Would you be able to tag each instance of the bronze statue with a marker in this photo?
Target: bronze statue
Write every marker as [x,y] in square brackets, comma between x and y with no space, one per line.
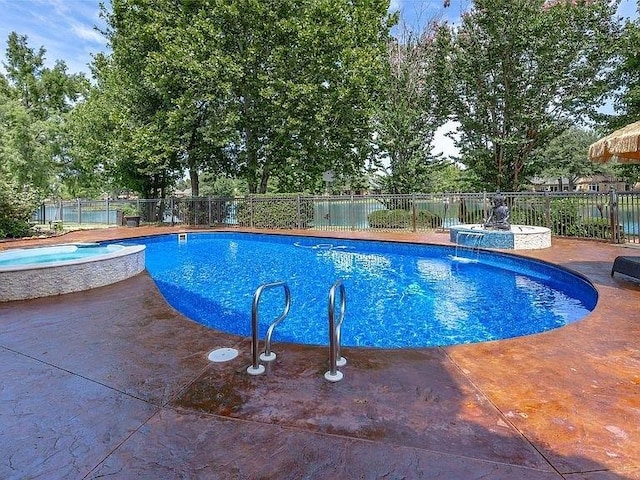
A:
[499,216]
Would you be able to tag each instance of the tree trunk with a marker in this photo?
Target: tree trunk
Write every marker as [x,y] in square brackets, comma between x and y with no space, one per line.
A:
[195,181]
[264,179]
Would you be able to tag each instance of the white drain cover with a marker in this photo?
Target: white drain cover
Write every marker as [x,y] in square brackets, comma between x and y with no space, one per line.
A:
[222,354]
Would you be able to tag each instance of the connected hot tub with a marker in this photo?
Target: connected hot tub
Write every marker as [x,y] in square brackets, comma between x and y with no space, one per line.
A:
[43,271]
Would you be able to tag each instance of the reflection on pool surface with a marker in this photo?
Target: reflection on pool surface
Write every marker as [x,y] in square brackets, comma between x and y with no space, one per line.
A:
[398,295]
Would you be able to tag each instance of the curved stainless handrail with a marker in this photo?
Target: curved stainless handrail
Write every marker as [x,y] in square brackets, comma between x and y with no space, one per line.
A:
[334,332]
[256,368]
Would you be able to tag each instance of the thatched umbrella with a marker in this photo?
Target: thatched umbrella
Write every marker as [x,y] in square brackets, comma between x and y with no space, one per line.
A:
[622,145]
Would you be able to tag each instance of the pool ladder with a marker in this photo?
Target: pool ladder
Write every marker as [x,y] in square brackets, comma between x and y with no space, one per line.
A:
[335,358]
[267,356]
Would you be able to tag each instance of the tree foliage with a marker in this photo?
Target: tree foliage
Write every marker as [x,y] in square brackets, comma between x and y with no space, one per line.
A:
[565,156]
[516,72]
[35,102]
[409,113]
[627,98]
[251,88]
[276,93]
[627,74]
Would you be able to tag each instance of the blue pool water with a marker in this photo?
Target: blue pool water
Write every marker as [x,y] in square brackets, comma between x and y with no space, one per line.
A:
[54,254]
[398,295]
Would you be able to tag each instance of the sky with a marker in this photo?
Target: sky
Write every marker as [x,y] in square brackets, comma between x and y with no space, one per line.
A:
[67,30]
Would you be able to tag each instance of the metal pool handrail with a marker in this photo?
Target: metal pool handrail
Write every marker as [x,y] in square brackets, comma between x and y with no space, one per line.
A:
[335,360]
[255,368]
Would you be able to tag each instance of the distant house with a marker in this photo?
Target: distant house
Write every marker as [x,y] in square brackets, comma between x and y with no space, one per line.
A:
[601,183]
[539,184]
[595,183]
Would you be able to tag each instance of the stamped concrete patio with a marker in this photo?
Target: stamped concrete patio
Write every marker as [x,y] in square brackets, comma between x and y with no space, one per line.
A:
[114,383]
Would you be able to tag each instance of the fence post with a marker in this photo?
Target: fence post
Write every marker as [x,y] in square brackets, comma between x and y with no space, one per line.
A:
[613,217]
[299,212]
[414,213]
[79,210]
[485,216]
[351,213]
[251,210]
[547,206]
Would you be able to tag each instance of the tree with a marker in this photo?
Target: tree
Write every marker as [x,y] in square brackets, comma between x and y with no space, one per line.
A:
[565,156]
[177,77]
[409,113]
[627,74]
[252,88]
[515,73]
[308,73]
[35,102]
[627,100]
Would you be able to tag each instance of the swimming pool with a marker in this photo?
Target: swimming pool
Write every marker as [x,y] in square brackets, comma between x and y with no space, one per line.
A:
[398,295]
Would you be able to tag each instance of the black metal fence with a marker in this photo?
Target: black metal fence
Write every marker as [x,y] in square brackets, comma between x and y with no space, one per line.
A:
[608,216]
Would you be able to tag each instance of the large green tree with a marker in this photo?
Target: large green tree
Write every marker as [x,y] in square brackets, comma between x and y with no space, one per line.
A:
[174,97]
[35,102]
[310,73]
[627,74]
[409,113]
[264,90]
[627,99]
[517,71]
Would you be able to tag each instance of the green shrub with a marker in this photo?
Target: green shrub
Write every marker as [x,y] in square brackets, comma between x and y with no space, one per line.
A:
[600,228]
[129,210]
[565,218]
[266,211]
[14,228]
[403,219]
[389,219]
[16,208]
[428,219]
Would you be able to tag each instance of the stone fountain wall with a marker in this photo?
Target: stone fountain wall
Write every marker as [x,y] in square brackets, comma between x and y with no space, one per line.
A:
[519,237]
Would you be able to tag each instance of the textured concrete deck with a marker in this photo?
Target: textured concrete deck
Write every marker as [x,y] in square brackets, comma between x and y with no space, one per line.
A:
[113,382]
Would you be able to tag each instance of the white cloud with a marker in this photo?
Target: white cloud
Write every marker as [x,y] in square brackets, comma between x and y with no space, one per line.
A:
[63,27]
[88,33]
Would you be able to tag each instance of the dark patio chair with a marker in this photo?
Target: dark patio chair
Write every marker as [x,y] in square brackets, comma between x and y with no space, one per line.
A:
[627,265]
